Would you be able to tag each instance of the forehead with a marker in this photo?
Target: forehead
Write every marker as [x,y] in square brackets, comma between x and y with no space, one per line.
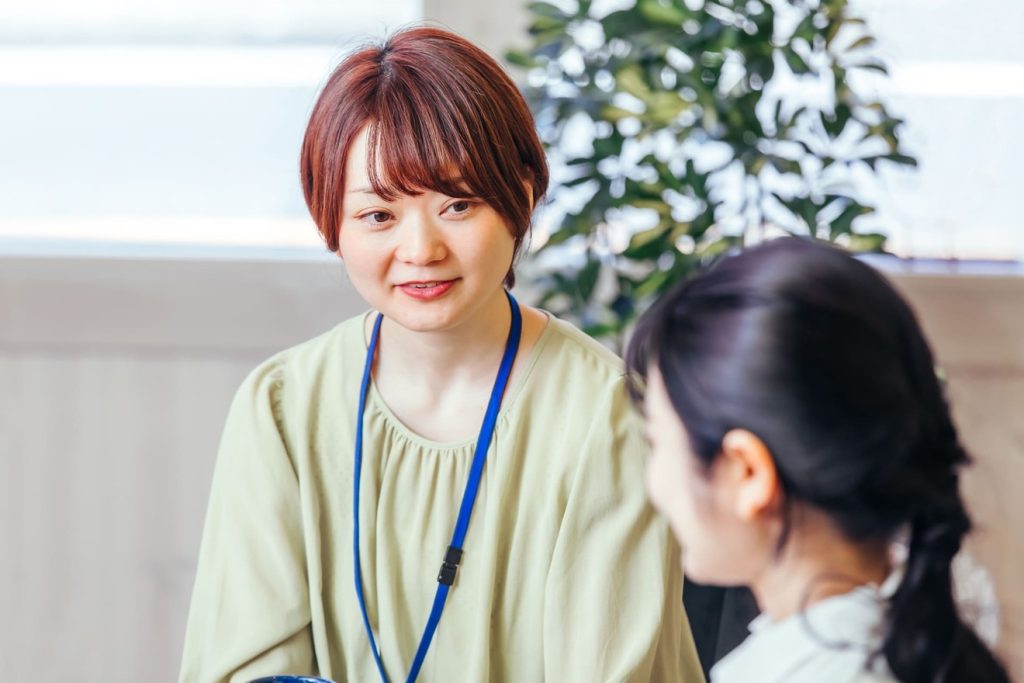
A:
[357,173]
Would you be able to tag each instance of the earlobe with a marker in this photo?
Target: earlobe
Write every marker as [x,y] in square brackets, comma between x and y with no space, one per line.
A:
[753,474]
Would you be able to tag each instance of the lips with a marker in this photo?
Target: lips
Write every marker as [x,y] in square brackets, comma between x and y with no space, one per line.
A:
[425,290]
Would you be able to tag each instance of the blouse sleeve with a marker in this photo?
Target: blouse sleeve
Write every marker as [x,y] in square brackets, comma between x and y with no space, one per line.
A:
[250,612]
[613,602]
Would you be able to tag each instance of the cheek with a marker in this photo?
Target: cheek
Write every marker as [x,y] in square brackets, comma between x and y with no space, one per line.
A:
[490,244]
[671,492]
[362,256]
[685,498]
[663,484]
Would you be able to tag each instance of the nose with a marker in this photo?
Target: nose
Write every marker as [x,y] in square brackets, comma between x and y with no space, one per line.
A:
[420,241]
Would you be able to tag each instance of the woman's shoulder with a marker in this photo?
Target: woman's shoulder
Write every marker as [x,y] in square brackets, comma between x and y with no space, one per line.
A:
[573,350]
[301,368]
[835,639]
[579,384]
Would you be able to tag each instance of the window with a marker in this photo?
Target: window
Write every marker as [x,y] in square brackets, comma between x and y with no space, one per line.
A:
[130,123]
[958,80]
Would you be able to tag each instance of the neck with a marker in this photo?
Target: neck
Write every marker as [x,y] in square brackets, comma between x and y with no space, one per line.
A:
[817,562]
[468,352]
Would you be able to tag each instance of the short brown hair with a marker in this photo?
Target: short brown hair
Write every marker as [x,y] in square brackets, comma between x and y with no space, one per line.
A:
[442,116]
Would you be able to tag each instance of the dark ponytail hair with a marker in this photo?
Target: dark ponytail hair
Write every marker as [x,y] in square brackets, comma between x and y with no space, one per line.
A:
[815,353]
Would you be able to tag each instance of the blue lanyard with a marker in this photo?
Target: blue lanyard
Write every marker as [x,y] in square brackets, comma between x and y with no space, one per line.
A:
[446,577]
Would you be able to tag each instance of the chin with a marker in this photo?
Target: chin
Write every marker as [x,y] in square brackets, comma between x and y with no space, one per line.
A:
[427,319]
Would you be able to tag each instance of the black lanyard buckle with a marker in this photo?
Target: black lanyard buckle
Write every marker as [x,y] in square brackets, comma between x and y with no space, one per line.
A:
[450,566]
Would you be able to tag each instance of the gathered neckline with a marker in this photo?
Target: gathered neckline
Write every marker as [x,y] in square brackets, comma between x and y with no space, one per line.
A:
[507,403]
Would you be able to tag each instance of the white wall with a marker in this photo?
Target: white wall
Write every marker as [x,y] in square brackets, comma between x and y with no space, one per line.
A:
[117,376]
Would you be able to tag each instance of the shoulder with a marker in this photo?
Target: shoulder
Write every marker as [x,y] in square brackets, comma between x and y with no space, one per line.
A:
[570,345]
[793,662]
[294,375]
[341,344]
[833,640]
[585,373]
[579,390]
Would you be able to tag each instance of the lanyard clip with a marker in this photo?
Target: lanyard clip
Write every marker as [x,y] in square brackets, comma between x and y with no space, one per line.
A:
[450,565]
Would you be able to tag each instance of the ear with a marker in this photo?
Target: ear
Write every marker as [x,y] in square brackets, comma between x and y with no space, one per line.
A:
[750,470]
[528,184]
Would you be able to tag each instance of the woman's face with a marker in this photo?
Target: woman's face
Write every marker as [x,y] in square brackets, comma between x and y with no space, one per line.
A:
[718,546]
[427,262]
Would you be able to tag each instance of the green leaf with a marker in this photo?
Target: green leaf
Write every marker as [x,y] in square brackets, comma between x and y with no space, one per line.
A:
[653,283]
[867,242]
[522,59]
[546,9]
[843,223]
[579,180]
[804,209]
[894,157]
[586,279]
[666,15]
[648,244]
[631,80]
[615,114]
[903,159]
[785,165]
[627,24]
[642,190]
[872,65]
[541,25]
[607,147]
[806,29]
[796,62]
[864,41]
[719,246]
[558,237]
[664,107]
[602,330]
[835,122]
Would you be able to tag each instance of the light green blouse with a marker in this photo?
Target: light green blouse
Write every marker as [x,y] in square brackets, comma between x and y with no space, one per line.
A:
[567,574]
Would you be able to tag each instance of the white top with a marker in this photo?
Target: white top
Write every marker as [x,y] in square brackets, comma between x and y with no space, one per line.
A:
[833,641]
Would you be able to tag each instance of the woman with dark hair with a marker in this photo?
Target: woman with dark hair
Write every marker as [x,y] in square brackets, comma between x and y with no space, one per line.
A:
[450,485]
[798,429]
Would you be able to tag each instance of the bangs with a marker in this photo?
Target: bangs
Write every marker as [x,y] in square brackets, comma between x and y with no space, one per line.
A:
[413,147]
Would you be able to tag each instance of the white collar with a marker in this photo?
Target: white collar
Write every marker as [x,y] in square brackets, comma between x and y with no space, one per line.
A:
[843,627]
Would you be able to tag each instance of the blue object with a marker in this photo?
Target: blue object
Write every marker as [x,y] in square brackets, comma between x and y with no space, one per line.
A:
[446,576]
[291,679]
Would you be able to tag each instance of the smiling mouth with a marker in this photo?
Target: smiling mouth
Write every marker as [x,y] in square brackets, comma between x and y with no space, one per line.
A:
[427,290]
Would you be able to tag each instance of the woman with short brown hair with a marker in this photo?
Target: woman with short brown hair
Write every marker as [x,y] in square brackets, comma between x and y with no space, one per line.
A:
[383,506]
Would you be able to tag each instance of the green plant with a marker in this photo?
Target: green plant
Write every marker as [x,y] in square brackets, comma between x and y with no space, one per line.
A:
[703,125]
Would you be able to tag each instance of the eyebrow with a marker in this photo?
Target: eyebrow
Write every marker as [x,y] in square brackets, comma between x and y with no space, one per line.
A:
[362,190]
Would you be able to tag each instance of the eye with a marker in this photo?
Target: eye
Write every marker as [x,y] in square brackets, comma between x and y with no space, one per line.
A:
[375,218]
[460,207]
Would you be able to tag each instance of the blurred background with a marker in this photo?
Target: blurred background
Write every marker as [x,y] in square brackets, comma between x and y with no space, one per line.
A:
[154,246]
